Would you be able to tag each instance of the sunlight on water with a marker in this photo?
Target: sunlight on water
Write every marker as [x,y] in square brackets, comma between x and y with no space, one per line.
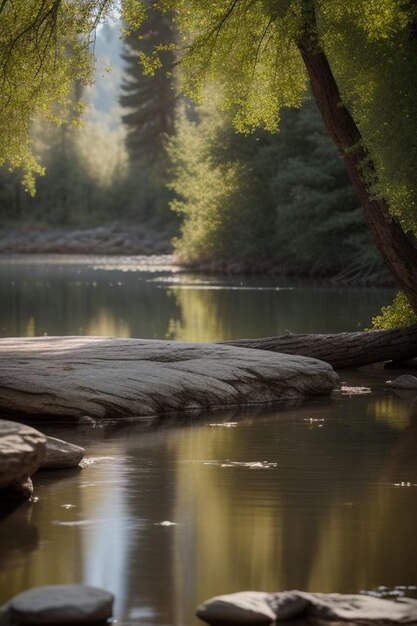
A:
[248,464]
[354,391]
[319,496]
[146,297]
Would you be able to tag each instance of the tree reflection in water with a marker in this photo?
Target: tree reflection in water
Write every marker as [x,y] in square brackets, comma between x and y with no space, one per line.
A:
[18,537]
[328,517]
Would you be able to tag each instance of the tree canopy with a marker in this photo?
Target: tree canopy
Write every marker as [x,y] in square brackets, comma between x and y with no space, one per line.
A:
[45,47]
[249,49]
[261,54]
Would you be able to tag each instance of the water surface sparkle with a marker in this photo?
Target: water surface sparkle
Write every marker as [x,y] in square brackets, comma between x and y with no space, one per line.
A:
[318,496]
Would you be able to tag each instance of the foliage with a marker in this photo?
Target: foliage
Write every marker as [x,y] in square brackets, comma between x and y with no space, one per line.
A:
[213,194]
[373,48]
[84,180]
[244,49]
[250,50]
[266,198]
[44,50]
[145,194]
[397,314]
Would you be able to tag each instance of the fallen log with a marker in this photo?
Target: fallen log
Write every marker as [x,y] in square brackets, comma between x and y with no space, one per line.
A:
[114,377]
[342,350]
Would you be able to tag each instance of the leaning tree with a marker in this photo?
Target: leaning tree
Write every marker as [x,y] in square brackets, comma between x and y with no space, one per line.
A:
[359,59]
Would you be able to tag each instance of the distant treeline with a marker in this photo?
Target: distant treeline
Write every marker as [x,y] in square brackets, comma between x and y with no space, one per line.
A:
[252,201]
[264,199]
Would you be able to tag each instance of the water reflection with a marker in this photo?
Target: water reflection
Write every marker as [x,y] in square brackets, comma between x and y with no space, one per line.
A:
[319,496]
[77,531]
[81,297]
[210,315]
[19,535]
[323,520]
[324,513]
[44,566]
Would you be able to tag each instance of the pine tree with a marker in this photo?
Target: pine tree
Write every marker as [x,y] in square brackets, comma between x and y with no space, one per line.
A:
[149,100]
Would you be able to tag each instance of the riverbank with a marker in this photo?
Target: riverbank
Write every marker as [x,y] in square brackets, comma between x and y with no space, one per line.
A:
[109,239]
[373,275]
[123,239]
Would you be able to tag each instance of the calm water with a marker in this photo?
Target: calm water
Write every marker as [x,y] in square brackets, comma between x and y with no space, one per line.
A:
[167,515]
[100,296]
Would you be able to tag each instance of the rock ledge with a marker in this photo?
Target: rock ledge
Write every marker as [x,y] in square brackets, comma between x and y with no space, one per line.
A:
[260,609]
[114,377]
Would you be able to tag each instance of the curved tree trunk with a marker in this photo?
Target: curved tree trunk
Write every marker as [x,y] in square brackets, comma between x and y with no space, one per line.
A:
[396,247]
[342,349]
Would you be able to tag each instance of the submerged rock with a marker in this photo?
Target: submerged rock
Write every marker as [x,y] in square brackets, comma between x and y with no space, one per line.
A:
[22,450]
[87,420]
[61,454]
[58,604]
[243,608]
[405,381]
[259,608]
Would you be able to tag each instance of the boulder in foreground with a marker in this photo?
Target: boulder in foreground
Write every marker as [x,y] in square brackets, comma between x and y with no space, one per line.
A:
[113,377]
[22,450]
[58,604]
[61,454]
[405,381]
[258,608]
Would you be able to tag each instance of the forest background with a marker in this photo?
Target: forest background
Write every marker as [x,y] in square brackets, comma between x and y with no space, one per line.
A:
[141,154]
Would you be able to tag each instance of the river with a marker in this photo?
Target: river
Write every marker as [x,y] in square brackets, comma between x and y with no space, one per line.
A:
[320,496]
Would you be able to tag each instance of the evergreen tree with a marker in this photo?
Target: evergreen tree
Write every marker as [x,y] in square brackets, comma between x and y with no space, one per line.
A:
[149,98]
[149,101]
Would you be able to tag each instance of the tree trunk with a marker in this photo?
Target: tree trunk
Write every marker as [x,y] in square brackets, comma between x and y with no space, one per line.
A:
[397,248]
[342,349]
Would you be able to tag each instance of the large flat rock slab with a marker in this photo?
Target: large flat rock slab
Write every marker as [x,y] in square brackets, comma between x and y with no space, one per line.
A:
[113,377]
